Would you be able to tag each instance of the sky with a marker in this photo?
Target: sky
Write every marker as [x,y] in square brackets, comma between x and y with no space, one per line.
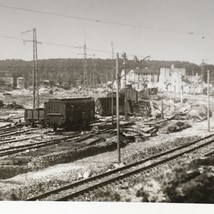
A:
[164,29]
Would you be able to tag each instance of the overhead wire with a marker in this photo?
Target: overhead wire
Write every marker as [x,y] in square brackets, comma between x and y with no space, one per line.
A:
[69,46]
[99,20]
[91,20]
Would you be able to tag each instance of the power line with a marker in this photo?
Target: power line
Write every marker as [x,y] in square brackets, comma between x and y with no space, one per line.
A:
[10,37]
[99,20]
[68,46]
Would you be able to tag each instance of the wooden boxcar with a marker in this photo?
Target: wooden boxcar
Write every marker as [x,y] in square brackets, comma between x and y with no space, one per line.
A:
[72,113]
[131,93]
[104,105]
[34,116]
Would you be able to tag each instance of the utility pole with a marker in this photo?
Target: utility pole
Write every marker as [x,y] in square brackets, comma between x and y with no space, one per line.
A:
[34,72]
[85,85]
[94,71]
[181,89]
[36,64]
[125,91]
[112,96]
[208,99]
[117,108]
[35,79]
[162,115]
[85,65]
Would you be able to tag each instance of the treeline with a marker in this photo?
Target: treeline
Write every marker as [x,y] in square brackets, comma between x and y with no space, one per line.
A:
[98,70]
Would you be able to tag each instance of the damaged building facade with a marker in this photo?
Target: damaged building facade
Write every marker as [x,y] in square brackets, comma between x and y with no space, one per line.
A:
[139,79]
[176,80]
[7,81]
[171,79]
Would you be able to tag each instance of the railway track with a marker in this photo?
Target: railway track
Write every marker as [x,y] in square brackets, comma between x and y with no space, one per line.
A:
[10,127]
[77,138]
[78,189]
[17,149]
[14,132]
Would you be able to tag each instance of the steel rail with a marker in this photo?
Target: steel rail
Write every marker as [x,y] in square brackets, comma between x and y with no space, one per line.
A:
[130,173]
[85,181]
[15,133]
[10,127]
[22,148]
[14,140]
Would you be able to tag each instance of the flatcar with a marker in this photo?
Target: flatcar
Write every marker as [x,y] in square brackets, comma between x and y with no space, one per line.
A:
[69,113]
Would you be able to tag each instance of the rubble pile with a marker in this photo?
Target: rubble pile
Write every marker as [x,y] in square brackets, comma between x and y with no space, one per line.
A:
[22,92]
[181,111]
[13,105]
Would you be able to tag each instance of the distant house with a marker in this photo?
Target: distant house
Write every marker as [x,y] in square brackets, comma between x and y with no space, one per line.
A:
[6,79]
[170,79]
[139,78]
[46,83]
[20,82]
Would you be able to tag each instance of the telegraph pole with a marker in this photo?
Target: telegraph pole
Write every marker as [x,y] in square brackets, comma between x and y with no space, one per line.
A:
[36,64]
[125,92]
[94,71]
[35,79]
[208,99]
[117,108]
[85,68]
[181,89]
[162,115]
[34,71]
[112,97]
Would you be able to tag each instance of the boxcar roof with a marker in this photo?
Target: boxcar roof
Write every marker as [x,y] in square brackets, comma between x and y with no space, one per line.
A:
[71,99]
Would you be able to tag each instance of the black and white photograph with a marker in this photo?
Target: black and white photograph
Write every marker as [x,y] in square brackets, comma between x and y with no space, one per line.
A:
[107,102]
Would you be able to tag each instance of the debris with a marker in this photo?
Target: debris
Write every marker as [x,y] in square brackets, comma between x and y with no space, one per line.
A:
[87,174]
[14,105]
[118,165]
[199,113]
[176,127]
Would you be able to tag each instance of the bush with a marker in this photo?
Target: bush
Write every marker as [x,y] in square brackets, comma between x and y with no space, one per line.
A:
[184,184]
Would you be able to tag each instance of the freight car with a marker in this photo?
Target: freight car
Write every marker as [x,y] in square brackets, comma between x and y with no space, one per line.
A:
[34,116]
[72,113]
[148,93]
[131,93]
[104,105]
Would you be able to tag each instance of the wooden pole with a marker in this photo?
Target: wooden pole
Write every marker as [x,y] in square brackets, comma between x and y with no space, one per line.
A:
[34,71]
[112,97]
[162,116]
[85,82]
[181,90]
[125,89]
[117,108]
[208,99]
[36,67]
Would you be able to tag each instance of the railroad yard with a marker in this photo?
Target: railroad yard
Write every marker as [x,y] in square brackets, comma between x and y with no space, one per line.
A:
[106,106]
[162,160]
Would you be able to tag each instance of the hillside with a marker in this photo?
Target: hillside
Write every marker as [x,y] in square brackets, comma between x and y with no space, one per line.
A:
[70,70]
